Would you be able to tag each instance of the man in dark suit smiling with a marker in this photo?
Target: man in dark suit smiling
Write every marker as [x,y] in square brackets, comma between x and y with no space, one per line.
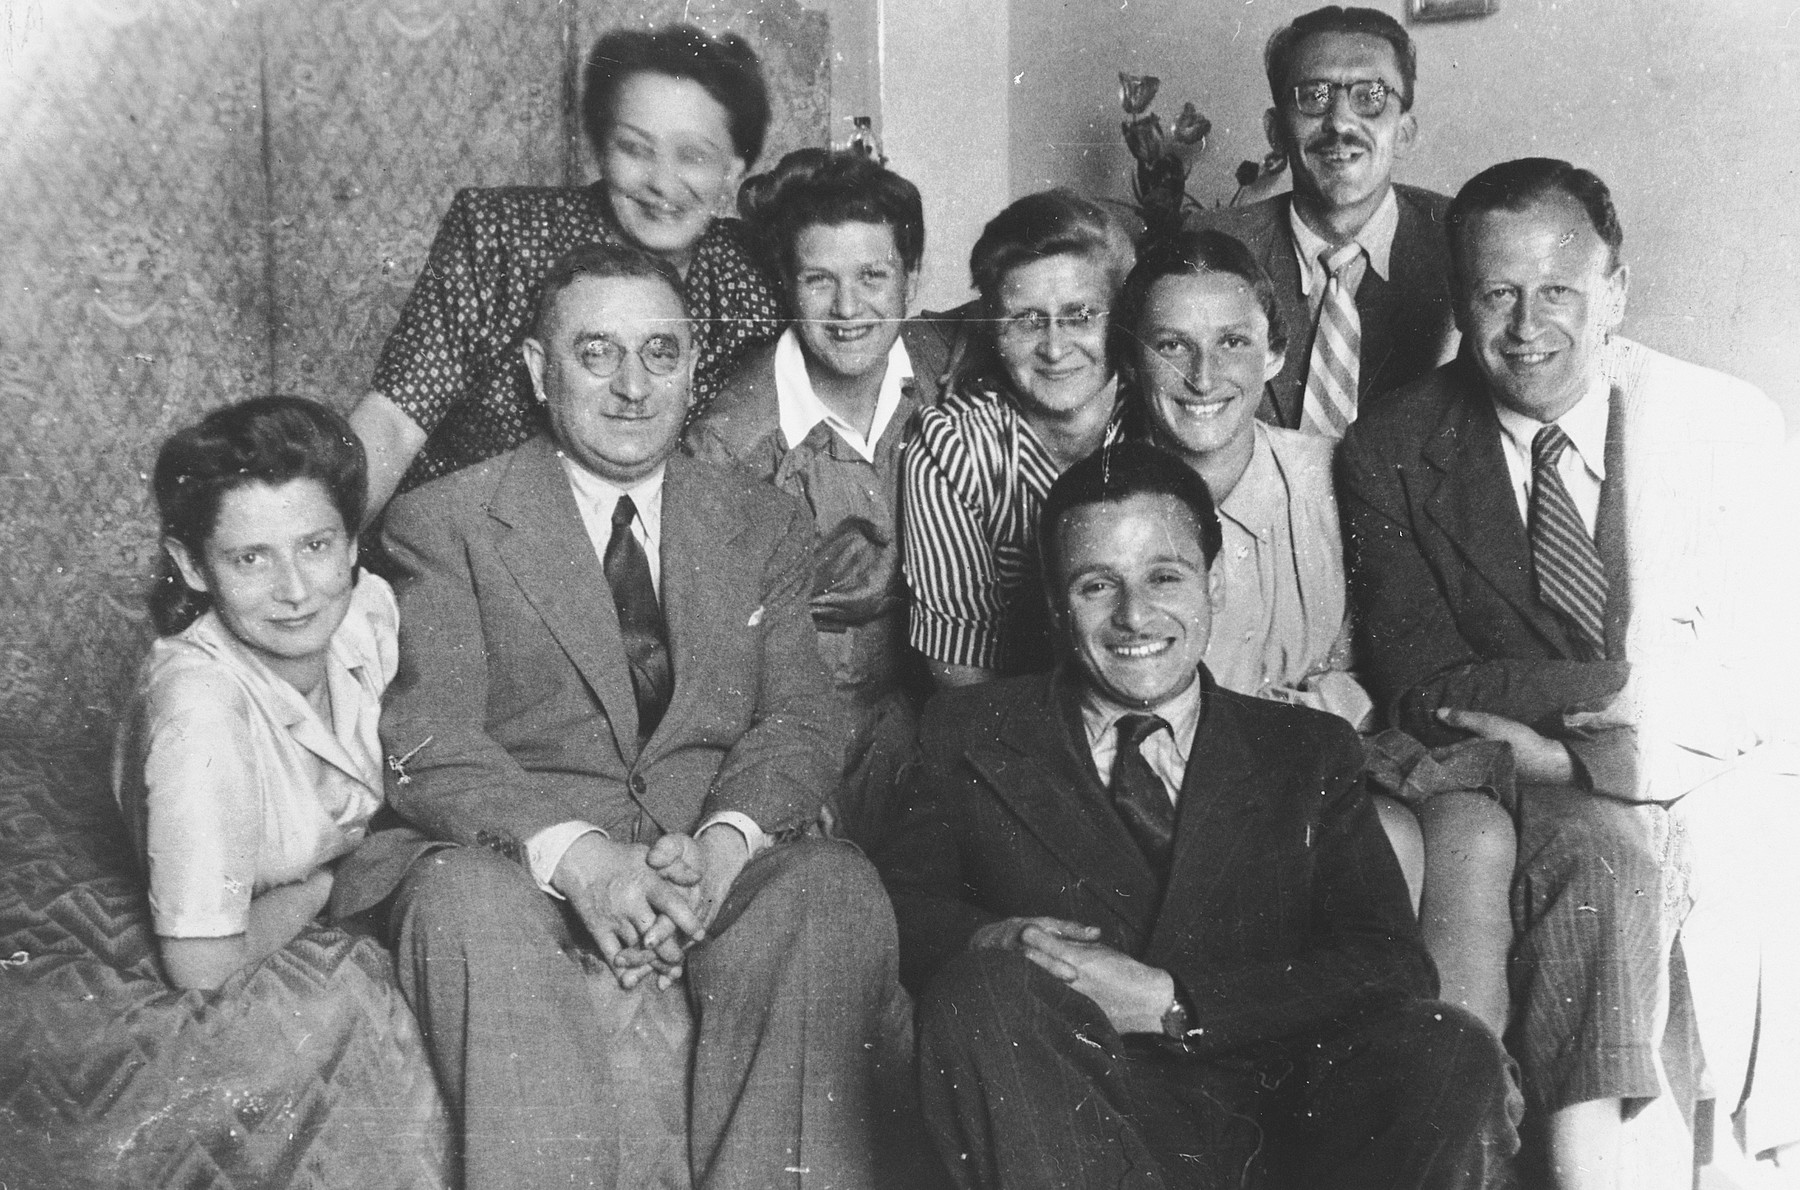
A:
[1158,932]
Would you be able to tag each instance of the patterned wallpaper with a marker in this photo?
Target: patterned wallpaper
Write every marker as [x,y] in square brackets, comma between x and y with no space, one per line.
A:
[202,200]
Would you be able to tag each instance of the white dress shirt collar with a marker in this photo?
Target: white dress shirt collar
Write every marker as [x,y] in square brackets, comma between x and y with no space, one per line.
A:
[800,408]
[596,498]
[1376,238]
[1583,468]
[1166,751]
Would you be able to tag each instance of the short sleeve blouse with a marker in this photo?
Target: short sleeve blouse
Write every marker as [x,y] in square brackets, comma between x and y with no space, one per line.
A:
[453,363]
[231,782]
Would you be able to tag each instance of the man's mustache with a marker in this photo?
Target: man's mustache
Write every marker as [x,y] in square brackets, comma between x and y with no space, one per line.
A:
[1332,140]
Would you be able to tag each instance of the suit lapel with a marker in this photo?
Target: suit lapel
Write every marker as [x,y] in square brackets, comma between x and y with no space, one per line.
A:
[1473,502]
[545,546]
[696,530]
[1221,793]
[1377,300]
[1040,767]
[1283,396]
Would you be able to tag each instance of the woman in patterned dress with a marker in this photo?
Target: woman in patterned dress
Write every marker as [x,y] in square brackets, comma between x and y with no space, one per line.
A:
[675,117]
[248,762]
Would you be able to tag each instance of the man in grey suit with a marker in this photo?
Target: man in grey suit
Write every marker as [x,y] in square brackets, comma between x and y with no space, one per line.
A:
[1359,261]
[608,715]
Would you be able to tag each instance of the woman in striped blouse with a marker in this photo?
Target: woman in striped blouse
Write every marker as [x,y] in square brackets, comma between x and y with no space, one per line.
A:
[1036,393]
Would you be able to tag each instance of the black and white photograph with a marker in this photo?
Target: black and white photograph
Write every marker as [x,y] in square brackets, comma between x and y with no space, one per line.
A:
[899,595]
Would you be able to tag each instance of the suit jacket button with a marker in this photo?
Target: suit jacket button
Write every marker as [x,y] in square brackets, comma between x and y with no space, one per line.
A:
[637,785]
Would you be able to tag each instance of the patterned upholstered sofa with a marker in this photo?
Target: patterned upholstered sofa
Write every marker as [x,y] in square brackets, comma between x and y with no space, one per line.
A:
[306,1071]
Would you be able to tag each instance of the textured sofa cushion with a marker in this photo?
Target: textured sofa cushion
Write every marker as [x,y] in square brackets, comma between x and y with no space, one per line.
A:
[307,1070]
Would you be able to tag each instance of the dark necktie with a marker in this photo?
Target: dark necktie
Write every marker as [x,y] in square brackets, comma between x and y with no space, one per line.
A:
[640,619]
[1570,577]
[1139,795]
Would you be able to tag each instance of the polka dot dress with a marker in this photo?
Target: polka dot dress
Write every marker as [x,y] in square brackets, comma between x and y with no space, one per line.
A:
[453,362]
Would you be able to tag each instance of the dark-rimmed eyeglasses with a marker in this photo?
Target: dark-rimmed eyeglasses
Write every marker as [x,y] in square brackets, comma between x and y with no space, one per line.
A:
[660,354]
[1035,324]
[1368,97]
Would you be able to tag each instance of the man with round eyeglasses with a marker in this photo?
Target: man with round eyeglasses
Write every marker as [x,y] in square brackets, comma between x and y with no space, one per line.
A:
[610,733]
[1358,260]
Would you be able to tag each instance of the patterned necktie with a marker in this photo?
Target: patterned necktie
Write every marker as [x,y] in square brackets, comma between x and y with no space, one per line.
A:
[1331,373]
[640,619]
[1139,795]
[1570,578]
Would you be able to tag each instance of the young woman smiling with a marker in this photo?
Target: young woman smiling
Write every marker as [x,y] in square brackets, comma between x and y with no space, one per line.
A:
[249,761]
[825,413]
[1206,335]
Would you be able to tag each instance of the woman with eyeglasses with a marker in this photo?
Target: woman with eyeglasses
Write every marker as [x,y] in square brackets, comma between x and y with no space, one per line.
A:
[248,762]
[1035,393]
[1206,335]
[675,118]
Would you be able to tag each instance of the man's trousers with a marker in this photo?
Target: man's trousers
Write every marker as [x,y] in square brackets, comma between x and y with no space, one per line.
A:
[1026,1085]
[799,1066]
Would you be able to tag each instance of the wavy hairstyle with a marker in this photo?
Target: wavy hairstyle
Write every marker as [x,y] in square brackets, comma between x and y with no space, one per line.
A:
[823,187]
[267,440]
[725,67]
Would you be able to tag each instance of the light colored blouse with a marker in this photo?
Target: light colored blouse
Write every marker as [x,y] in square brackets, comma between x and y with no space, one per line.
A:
[1279,628]
[231,782]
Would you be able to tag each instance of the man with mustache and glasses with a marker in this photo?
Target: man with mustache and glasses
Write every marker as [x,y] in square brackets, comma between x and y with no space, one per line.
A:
[1359,262]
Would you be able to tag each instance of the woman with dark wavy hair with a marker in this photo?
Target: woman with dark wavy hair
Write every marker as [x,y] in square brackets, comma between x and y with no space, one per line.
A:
[248,761]
[675,118]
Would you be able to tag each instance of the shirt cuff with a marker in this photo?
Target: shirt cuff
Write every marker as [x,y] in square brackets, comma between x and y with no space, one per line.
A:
[544,850]
[743,824]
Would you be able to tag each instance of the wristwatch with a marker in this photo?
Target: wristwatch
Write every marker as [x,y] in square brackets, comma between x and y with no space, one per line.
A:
[1177,1021]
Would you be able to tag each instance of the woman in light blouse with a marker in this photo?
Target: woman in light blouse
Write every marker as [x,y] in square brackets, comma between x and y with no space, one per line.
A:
[249,761]
[1205,335]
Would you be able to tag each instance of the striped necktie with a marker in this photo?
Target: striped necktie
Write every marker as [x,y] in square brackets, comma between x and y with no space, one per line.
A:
[1331,373]
[1570,578]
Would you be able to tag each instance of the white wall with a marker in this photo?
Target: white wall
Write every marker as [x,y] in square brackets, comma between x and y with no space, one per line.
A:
[1685,107]
[945,121]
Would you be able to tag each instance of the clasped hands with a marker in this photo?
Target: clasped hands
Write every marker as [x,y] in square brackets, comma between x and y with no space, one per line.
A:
[645,905]
[1537,758]
[1133,995]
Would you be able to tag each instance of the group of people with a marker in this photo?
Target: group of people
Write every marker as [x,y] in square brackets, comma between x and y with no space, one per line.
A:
[1251,707]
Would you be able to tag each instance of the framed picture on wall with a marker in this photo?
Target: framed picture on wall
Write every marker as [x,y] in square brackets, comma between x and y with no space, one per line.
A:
[1449,10]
